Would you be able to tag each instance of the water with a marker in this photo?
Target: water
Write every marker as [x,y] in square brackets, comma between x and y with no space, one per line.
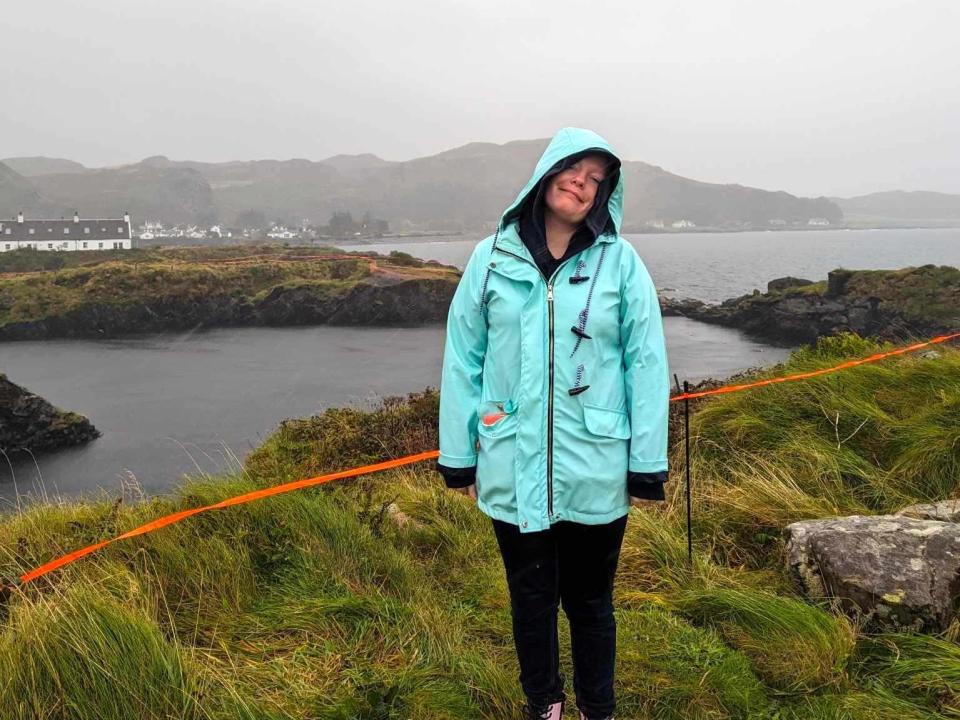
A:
[715,266]
[199,402]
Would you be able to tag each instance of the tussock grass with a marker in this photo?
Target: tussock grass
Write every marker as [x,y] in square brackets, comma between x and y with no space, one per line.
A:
[384,596]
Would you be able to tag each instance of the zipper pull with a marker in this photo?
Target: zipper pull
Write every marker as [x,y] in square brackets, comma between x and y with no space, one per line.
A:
[550,292]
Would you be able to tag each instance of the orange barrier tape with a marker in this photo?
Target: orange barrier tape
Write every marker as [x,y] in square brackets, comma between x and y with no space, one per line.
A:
[814,373]
[406,460]
[236,500]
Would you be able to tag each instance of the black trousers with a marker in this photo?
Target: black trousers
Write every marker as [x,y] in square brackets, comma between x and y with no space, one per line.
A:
[574,565]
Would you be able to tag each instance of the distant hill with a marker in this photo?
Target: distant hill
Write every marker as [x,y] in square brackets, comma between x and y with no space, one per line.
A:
[33,166]
[460,189]
[18,193]
[900,206]
[173,194]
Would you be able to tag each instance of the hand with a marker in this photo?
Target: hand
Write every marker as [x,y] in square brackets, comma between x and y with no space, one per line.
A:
[650,504]
[470,491]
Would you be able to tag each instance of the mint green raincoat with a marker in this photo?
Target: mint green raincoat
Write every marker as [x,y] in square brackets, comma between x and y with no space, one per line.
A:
[512,397]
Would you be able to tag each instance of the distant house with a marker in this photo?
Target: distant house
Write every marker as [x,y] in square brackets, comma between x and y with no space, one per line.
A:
[818,221]
[683,224]
[66,235]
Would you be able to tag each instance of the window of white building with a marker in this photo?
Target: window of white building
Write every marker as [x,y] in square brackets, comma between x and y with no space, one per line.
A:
[84,246]
[66,231]
[86,231]
[100,245]
[30,231]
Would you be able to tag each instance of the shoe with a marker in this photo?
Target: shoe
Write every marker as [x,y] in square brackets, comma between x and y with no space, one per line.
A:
[605,717]
[543,712]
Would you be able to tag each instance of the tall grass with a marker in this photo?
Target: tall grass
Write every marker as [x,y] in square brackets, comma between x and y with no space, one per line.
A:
[384,596]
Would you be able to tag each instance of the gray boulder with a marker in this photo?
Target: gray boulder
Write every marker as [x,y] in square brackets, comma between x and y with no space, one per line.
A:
[898,571]
[944,511]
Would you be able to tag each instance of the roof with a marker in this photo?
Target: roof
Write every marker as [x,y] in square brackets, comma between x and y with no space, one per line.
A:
[99,229]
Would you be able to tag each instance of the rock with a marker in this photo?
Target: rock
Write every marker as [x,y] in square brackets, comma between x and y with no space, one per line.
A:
[898,571]
[943,511]
[375,301]
[28,422]
[892,305]
[786,282]
[837,281]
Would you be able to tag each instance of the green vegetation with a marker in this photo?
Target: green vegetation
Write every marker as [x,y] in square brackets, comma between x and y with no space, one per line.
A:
[177,275]
[928,292]
[383,596]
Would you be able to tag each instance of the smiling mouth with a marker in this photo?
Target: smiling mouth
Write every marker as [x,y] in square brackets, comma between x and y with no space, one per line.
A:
[579,199]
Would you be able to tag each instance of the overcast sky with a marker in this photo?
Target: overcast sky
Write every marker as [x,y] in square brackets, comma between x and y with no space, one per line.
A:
[837,97]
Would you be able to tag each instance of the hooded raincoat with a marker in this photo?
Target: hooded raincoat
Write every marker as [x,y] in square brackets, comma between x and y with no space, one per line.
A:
[554,389]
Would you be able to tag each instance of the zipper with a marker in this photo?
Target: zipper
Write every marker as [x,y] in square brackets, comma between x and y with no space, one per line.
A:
[550,401]
[549,372]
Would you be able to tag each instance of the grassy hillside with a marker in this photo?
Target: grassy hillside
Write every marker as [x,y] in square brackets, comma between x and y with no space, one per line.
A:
[383,596]
[155,278]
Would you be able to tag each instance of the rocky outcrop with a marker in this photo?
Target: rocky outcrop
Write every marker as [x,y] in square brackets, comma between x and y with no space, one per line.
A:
[377,301]
[944,511]
[28,422]
[893,305]
[898,571]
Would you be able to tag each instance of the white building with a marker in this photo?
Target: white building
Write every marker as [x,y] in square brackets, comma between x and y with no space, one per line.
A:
[66,235]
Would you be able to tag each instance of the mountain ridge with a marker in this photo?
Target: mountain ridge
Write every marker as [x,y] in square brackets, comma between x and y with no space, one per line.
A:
[464,188]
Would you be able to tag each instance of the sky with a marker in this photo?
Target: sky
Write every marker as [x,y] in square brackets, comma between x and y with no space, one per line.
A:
[838,97]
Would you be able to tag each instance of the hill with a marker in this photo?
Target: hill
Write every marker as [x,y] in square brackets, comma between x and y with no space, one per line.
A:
[460,189]
[34,166]
[900,207]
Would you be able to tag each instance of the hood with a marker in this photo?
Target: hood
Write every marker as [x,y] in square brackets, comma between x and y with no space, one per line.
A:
[567,142]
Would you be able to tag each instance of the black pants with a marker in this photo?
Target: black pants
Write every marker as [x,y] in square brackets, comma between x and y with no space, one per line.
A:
[573,564]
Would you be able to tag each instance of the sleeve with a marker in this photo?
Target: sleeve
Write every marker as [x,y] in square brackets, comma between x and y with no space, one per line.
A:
[646,380]
[461,378]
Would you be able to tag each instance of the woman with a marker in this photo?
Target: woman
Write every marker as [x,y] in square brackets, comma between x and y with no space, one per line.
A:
[553,409]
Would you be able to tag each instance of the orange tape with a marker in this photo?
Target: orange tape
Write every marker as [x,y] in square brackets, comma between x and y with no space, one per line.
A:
[408,460]
[814,373]
[236,500]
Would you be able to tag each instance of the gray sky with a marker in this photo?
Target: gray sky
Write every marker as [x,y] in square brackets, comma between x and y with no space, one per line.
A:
[837,97]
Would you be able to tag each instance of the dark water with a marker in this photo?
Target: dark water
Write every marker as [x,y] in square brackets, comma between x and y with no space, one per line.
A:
[198,402]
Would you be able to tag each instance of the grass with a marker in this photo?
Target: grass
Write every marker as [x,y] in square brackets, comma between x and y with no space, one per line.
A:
[384,596]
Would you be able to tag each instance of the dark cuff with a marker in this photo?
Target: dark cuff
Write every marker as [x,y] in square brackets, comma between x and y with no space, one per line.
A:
[457,477]
[647,486]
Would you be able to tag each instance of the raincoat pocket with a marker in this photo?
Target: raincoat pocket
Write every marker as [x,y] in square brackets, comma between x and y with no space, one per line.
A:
[497,430]
[497,418]
[606,422]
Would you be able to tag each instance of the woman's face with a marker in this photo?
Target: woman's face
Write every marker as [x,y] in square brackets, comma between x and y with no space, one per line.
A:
[570,193]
